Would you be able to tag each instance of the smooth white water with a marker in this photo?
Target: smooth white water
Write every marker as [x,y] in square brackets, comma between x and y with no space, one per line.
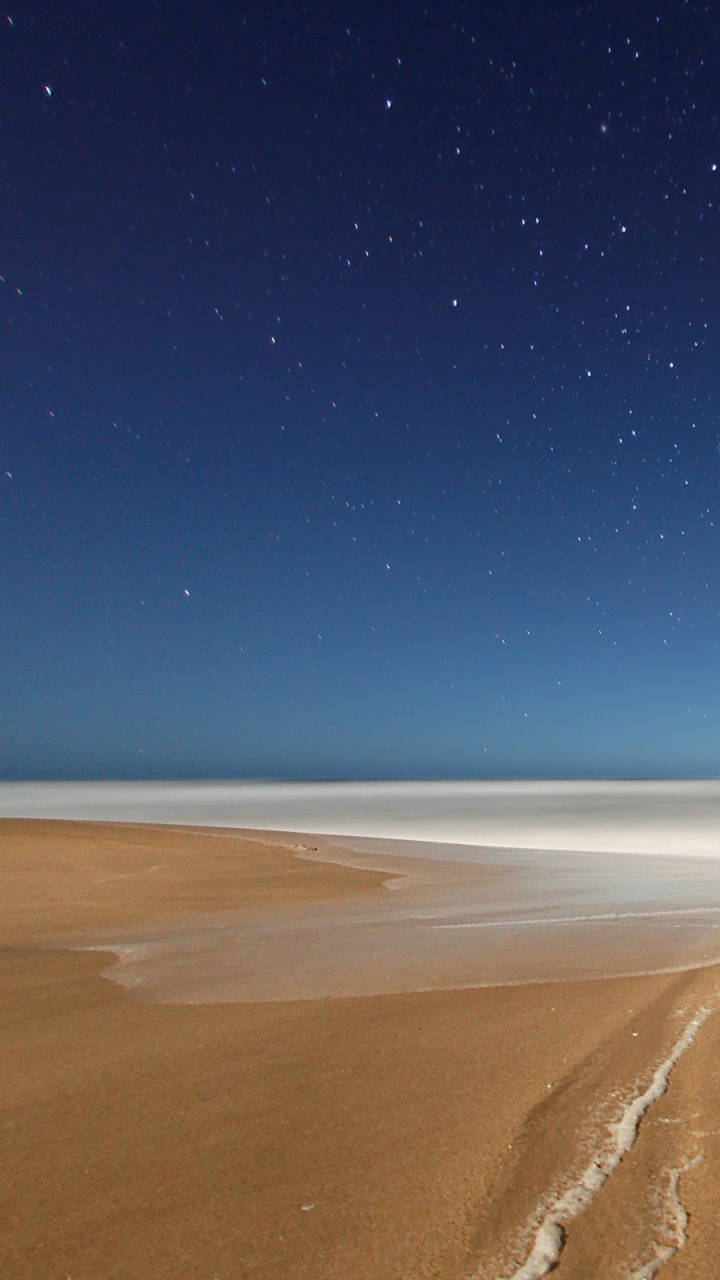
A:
[676,817]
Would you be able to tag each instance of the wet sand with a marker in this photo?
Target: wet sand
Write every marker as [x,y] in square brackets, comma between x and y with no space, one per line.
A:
[403,1135]
[436,916]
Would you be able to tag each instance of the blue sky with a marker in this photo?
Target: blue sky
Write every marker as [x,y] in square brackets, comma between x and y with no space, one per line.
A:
[359,401]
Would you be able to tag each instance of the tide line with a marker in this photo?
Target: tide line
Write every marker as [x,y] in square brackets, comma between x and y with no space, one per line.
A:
[552,1232]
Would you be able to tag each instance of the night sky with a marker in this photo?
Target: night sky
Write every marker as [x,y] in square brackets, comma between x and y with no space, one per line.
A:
[360,389]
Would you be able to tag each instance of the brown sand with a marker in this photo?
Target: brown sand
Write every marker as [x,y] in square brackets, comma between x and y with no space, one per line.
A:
[371,1138]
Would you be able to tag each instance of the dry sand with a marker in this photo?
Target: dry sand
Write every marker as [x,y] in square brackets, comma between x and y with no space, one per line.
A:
[365,1138]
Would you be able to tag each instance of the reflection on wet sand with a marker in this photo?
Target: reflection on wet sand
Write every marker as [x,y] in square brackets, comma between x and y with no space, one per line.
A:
[458,916]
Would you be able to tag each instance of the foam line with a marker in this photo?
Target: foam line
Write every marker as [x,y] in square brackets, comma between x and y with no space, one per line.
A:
[551,1234]
[676,1218]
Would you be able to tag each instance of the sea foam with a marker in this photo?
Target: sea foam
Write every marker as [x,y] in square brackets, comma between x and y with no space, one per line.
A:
[552,1231]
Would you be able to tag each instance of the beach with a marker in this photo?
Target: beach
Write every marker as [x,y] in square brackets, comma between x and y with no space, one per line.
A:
[161,1124]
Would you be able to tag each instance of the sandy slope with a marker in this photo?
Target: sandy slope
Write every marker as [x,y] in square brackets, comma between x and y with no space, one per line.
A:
[396,1136]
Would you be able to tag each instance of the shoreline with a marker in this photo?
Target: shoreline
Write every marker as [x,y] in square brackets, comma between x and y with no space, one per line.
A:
[464,918]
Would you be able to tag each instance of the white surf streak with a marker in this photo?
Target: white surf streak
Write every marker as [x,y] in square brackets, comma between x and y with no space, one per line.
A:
[676,1222]
[581,919]
[551,1234]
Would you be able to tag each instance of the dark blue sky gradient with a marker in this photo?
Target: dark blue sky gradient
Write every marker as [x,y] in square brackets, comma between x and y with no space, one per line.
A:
[360,390]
